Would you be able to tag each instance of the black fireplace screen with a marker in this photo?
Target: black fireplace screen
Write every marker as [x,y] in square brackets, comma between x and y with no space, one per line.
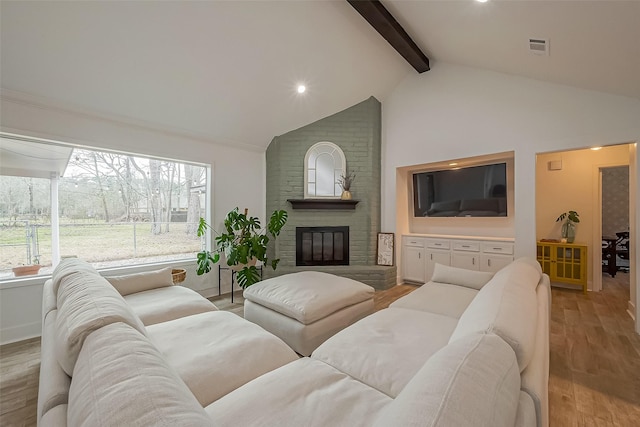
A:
[322,245]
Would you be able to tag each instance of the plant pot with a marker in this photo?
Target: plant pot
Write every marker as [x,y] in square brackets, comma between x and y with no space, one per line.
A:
[178,275]
[346,195]
[26,270]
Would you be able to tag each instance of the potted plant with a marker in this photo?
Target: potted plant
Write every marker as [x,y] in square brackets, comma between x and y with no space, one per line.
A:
[568,230]
[243,243]
[28,270]
[345,182]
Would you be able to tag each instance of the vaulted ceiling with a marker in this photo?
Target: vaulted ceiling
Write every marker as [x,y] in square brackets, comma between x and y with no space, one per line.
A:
[227,72]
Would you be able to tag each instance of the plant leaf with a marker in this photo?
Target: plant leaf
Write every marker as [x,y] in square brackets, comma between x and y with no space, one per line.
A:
[248,276]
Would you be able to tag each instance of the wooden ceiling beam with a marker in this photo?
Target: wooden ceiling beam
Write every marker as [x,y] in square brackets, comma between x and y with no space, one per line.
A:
[385,24]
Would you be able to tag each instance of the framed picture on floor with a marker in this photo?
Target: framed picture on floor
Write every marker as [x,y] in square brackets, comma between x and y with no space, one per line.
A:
[386,249]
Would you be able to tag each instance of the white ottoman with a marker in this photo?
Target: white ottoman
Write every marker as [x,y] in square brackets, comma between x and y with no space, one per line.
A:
[307,308]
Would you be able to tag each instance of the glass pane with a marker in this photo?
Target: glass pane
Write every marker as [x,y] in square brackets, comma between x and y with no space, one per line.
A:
[325,182]
[25,239]
[312,175]
[576,253]
[317,246]
[576,272]
[327,246]
[560,270]
[117,209]
[337,162]
[311,189]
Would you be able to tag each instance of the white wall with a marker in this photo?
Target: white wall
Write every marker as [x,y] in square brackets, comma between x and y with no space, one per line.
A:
[454,112]
[238,180]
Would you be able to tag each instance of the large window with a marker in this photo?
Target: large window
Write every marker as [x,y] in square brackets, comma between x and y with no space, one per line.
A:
[114,209]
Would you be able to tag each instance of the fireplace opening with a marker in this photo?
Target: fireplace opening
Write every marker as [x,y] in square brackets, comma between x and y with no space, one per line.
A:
[322,246]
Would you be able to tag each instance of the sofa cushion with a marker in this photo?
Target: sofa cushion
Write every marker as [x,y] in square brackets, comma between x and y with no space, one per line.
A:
[460,276]
[506,306]
[121,379]
[303,393]
[217,352]
[308,296]
[53,389]
[438,298]
[49,298]
[169,303]
[138,282]
[535,378]
[383,351]
[471,382]
[56,416]
[70,266]
[86,303]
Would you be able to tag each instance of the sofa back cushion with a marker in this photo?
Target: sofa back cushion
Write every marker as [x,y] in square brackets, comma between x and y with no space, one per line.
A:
[144,281]
[460,276]
[86,303]
[68,267]
[473,381]
[507,307]
[121,379]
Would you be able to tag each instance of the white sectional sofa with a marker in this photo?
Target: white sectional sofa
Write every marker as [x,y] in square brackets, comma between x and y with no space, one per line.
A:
[137,350]
[466,349]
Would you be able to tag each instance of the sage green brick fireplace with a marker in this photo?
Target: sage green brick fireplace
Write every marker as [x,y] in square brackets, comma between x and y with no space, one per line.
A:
[357,131]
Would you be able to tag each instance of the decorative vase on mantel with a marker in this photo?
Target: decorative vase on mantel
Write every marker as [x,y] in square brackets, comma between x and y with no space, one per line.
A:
[346,195]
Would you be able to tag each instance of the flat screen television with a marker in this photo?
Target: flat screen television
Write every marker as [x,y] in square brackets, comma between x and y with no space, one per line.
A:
[476,191]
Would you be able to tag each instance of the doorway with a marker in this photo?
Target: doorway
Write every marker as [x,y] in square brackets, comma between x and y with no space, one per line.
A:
[613,197]
[572,180]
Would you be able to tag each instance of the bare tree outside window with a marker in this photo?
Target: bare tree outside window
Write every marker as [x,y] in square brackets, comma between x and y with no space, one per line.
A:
[115,209]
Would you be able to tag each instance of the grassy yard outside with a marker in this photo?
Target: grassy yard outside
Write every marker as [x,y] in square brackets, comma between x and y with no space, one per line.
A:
[99,243]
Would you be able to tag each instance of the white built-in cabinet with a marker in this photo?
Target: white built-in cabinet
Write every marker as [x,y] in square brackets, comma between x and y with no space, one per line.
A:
[421,253]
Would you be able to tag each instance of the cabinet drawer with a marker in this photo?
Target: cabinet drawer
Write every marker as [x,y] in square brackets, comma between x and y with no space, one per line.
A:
[413,241]
[466,246]
[497,248]
[438,244]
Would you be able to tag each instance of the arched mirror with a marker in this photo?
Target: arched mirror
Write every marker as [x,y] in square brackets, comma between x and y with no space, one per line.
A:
[323,165]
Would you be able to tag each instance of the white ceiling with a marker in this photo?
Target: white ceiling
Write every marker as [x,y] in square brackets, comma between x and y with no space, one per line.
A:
[227,71]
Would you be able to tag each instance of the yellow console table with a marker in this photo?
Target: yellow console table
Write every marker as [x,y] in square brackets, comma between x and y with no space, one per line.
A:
[564,262]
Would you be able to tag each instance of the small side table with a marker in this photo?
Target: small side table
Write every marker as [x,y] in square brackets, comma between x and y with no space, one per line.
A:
[233,278]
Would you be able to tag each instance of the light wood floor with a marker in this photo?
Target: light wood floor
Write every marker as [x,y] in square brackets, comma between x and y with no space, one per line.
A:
[594,374]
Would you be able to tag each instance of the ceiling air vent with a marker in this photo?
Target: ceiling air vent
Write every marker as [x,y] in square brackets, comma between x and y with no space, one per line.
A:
[539,46]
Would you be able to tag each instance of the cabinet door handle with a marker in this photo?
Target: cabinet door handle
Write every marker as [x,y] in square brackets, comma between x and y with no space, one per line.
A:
[431,257]
[497,249]
[419,255]
[489,263]
[473,261]
[465,246]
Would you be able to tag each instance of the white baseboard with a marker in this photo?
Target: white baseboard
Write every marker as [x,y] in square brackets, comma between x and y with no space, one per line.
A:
[20,333]
[631,309]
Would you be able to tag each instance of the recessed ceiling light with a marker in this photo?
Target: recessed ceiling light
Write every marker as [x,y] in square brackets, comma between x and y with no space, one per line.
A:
[482,1]
[301,88]
[453,164]
[596,148]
